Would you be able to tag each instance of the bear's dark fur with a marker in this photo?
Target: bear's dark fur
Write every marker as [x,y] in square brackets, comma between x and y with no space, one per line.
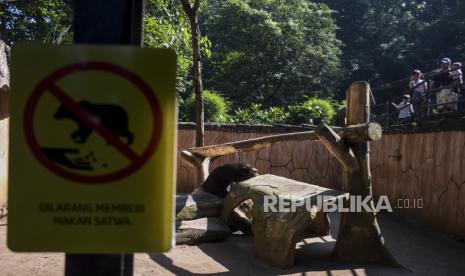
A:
[112,117]
[220,178]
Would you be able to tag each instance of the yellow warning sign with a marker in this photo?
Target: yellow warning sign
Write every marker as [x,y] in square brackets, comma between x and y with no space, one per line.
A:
[92,151]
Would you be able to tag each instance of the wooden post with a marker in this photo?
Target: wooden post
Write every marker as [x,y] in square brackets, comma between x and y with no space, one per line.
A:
[108,22]
[192,12]
[360,239]
[105,22]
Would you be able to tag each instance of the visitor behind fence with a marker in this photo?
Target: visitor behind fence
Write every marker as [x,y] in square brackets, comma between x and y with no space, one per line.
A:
[456,74]
[405,110]
[444,80]
[419,87]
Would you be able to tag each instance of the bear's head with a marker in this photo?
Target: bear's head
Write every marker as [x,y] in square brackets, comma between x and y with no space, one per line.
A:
[246,171]
[237,172]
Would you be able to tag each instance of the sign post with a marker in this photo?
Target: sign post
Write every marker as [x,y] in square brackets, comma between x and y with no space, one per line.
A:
[91,170]
[104,14]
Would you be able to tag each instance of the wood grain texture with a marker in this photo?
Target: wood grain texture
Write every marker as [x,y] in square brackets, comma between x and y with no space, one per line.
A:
[355,133]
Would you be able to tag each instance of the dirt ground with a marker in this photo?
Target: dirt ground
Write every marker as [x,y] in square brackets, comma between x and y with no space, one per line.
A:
[423,252]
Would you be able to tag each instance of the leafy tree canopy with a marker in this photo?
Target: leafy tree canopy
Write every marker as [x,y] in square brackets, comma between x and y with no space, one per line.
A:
[270,51]
[385,40]
[47,21]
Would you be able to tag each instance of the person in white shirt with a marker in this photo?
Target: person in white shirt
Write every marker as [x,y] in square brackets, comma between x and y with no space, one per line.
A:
[419,86]
[456,74]
[405,110]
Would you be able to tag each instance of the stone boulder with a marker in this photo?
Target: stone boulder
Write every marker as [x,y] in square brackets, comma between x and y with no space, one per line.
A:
[198,204]
[193,232]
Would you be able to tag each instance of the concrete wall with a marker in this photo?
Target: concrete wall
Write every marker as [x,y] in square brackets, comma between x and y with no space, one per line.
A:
[430,166]
[411,166]
[304,161]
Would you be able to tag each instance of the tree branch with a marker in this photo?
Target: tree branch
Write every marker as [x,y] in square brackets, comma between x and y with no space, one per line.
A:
[336,147]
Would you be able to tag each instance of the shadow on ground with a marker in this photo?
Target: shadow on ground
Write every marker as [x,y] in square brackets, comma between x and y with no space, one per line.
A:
[421,251]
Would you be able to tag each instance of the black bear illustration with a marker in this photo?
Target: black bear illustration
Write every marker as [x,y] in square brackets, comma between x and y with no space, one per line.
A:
[114,118]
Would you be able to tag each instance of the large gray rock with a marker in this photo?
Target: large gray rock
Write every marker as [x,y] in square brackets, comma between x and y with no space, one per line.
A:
[198,204]
[192,232]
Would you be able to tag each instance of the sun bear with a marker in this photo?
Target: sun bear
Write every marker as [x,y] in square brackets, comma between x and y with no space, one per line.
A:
[220,178]
[114,118]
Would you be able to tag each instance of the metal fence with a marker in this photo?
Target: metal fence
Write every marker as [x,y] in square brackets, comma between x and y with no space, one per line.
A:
[428,107]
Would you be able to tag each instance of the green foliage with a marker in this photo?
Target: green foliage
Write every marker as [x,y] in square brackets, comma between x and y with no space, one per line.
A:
[339,118]
[166,26]
[313,111]
[215,108]
[271,51]
[47,21]
[274,52]
[256,115]
[385,40]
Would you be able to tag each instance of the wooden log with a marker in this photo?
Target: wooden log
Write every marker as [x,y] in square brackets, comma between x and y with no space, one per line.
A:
[353,134]
[359,239]
[201,163]
[337,147]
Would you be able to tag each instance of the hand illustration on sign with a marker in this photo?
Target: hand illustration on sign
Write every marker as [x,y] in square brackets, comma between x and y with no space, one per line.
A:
[112,117]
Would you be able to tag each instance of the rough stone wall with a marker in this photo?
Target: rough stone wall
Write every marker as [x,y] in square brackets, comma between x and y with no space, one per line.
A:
[428,166]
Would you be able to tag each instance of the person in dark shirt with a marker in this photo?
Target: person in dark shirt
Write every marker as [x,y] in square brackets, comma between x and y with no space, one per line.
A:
[442,80]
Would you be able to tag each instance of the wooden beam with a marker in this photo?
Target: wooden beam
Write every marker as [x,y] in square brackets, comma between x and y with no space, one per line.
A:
[337,147]
[201,163]
[352,134]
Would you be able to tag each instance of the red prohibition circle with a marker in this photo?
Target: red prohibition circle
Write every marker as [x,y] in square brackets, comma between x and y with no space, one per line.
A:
[50,81]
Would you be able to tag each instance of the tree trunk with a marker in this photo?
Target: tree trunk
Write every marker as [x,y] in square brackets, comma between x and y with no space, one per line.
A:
[197,82]
[360,238]
[192,13]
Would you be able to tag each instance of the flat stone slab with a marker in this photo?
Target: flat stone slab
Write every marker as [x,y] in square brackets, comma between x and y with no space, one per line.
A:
[201,230]
[277,232]
[282,187]
[197,205]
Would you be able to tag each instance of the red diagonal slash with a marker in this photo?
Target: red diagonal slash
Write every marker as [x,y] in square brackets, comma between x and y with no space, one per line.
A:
[89,120]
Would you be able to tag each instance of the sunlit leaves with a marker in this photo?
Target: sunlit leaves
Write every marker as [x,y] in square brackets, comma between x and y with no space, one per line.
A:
[270,51]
